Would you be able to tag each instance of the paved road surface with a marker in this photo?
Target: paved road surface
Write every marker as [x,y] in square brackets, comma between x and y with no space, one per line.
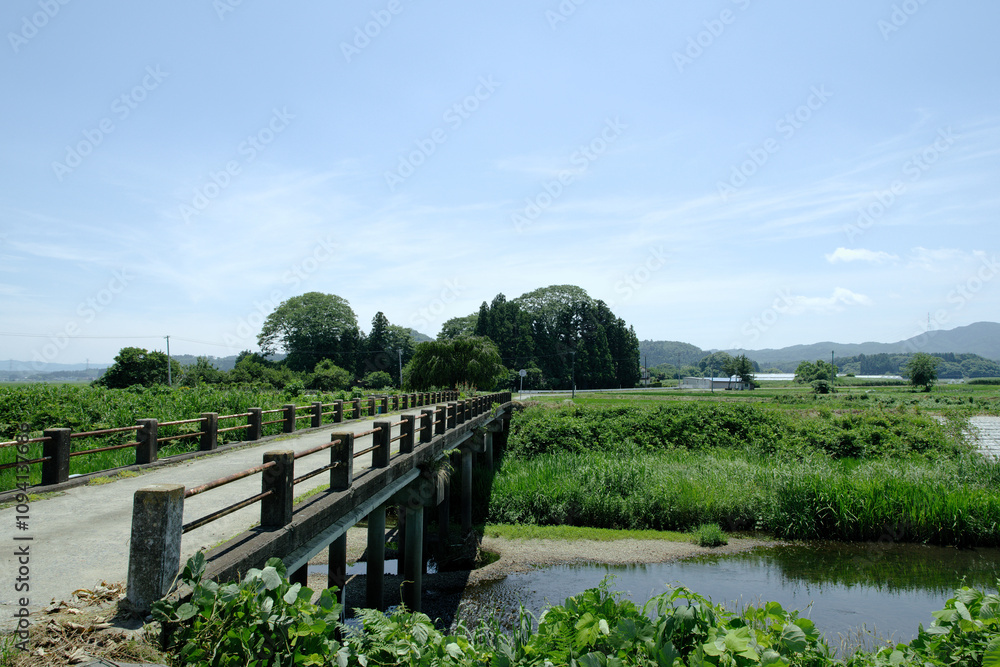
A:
[80,538]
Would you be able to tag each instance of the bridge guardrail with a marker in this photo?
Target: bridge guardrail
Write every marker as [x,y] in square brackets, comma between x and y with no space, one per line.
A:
[58,448]
[157,521]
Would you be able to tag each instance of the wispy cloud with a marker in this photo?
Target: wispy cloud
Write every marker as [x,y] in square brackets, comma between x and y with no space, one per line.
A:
[860,255]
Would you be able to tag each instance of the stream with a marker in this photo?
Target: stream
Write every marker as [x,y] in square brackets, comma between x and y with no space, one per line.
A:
[846,589]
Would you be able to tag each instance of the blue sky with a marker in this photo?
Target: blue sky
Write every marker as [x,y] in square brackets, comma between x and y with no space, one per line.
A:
[731,173]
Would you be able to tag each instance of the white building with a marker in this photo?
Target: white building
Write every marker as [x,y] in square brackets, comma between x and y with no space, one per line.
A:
[732,383]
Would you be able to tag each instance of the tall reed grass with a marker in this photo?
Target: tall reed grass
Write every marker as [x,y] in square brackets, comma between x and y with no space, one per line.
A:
[948,501]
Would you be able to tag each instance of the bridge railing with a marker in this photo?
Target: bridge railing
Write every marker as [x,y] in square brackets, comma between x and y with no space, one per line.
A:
[58,444]
[157,519]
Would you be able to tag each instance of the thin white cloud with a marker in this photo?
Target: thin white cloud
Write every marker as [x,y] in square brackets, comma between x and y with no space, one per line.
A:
[840,299]
[860,255]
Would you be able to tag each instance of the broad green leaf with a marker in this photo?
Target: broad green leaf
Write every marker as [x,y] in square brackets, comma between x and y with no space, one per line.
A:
[270,578]
[454,650]
[738,641]
[793,638]
[186,611]
[772,658]
[292,594]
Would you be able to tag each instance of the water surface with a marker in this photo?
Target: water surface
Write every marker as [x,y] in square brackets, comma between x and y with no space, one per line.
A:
[841,587]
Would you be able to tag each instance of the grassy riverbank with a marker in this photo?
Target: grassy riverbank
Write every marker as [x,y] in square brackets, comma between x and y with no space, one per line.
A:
[867,475]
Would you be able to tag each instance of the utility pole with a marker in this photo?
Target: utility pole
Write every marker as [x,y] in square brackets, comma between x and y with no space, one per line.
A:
[833,371]
[170,380]
[573,370]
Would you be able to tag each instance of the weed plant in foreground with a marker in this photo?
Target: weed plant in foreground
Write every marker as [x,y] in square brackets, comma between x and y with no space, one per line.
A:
[265,620]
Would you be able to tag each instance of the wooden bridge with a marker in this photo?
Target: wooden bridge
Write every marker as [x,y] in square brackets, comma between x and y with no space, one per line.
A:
[405,471]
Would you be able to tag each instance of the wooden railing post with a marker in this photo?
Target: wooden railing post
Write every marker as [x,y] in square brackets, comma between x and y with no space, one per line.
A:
[356,408]
[371,406]
[380,439]
[441,418]
[406,429]
[385,404]
[342,475]
[256,422]
[404,401]
[460,414]
[209,431]
[289,415]
[146,450]
[317,414]
[57,448]
[395,402]
[338,412]
[452,414]
[276,509]
[426,419]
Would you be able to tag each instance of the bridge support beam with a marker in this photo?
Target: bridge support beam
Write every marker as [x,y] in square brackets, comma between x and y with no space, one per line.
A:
[489,451]
[337,566]
[466,491]
[444,516]
[375,588]
[413,560]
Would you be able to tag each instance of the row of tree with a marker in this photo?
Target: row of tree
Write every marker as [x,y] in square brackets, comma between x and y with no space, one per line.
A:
[137,366]
[921,369]
[950,364]
[559,335]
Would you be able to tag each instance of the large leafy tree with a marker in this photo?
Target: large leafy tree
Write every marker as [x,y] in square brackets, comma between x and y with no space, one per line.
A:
[134,365]
[921,369]
[820,370]
[469,360]
[310,328]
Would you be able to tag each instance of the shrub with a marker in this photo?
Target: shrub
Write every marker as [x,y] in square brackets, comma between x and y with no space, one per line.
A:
[710,535]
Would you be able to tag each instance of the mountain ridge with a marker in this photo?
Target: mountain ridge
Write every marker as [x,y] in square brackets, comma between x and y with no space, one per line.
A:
[982,338]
